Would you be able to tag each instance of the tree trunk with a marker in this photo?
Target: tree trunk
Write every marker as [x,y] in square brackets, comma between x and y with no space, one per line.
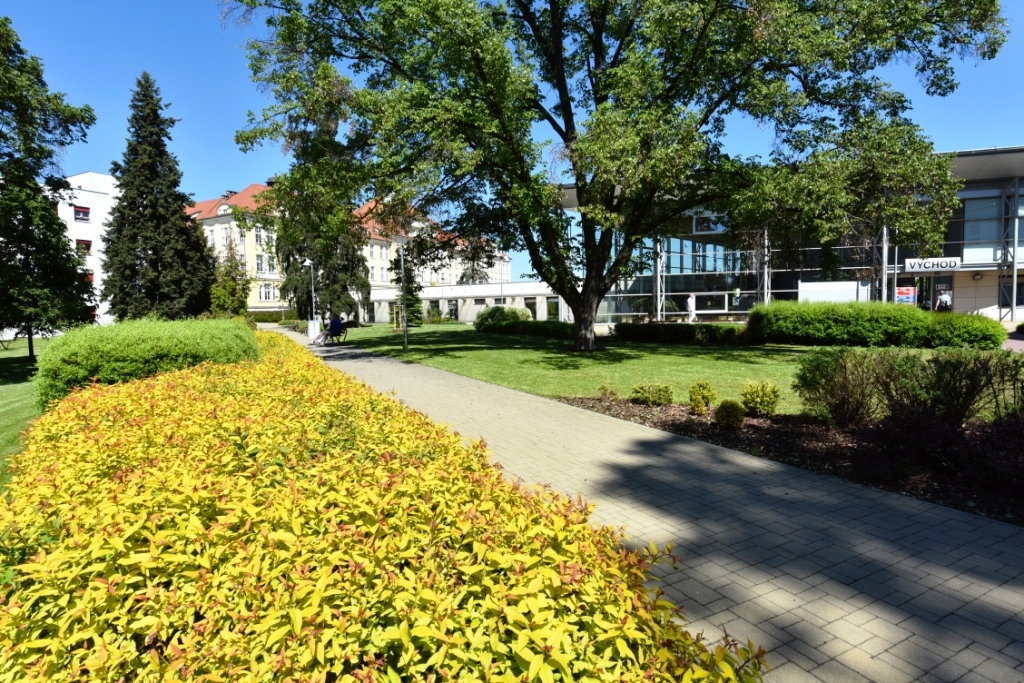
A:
[31,346]
[585,316]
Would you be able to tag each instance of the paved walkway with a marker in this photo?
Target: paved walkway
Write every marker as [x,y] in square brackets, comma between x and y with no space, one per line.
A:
[838,581]
[1015,342]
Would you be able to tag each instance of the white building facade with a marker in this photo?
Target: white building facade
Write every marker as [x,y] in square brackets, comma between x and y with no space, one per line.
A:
[85,213]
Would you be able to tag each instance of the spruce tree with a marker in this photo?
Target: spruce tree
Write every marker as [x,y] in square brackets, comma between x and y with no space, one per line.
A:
[157,259]
[230,291]
[409,300]
[43,283]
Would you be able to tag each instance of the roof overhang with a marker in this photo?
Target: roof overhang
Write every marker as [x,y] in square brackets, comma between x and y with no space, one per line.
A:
[998,163]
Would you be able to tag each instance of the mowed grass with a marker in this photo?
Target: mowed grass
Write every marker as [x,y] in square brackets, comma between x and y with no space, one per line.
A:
[17,398]
[549,367]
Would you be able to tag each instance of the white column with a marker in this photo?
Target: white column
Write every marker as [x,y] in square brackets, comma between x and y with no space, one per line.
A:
[659,294]
[1016,261]
[885,262]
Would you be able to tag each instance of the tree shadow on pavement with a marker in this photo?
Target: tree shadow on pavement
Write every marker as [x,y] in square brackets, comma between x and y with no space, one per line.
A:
[762,543]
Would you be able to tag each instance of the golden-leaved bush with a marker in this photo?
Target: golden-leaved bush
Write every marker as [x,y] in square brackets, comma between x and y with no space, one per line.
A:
[279,521]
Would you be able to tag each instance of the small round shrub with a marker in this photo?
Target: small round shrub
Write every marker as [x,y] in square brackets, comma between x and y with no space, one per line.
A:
[500,314]
[730,414]
[962,330]
[761,399]
[651,395]
[702,397]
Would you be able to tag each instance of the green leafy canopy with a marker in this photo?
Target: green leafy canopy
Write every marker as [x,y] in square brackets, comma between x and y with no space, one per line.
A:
[454,99]
[43,282]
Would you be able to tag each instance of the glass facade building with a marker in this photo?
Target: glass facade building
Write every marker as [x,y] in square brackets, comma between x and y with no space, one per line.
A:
[727,280]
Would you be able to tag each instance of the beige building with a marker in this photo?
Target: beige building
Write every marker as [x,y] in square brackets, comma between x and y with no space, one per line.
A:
[383,248]
[253,246]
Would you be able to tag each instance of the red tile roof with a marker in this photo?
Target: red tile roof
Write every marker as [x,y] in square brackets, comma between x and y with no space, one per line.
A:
[208,208]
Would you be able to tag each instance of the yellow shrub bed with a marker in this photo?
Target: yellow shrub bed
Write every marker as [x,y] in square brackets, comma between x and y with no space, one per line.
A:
[279,521]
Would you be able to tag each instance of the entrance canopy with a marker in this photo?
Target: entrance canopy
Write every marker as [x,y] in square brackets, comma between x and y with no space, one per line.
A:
[997,163]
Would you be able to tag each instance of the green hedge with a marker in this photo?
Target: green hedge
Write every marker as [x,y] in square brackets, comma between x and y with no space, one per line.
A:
[500,314]
[273,316]
[971,331]
[679,333]
[869,324]
[141,348]
[535,328]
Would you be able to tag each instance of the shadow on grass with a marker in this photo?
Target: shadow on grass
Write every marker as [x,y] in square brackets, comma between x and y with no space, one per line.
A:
[16,370]
[558,354]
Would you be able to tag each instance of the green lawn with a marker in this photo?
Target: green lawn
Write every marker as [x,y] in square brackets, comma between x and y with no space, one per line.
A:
[17,398]
[548,367]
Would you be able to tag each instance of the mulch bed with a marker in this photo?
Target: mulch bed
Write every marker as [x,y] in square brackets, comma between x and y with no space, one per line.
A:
[980,471]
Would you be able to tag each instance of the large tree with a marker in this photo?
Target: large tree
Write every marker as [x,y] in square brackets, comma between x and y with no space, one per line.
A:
[43,283]
[311,209]
[156,258]
[636,94]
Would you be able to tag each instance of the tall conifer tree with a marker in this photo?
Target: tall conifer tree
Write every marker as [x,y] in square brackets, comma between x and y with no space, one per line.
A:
[157,259]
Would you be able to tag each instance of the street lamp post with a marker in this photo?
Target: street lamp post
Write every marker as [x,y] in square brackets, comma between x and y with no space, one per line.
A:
[312,298]
[405,303]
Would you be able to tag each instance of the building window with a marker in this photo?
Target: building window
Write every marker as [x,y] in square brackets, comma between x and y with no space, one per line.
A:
[983,230]
[271,265]
[479,302]
[82,214]
[531,306]
[371,313]
[373,274]
[268,292]
[227,237]
[213,238]
[552,308]
[499,301]
[259,263]
[383,273]
[259,235]
[84,247]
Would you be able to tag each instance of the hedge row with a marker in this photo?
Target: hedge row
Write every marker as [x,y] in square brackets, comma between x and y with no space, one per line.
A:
[277,520]
[869,324]
[535,328]
[499,314]
[273,316]
[676,333]
[141,348]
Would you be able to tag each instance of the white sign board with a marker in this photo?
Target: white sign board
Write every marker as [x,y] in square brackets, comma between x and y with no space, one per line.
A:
[834,291]
[931,265]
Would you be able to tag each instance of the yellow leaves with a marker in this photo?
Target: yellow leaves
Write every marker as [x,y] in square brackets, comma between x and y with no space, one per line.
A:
[275,520]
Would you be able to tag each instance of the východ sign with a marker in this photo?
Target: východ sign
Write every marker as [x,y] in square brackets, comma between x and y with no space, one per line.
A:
[931,265]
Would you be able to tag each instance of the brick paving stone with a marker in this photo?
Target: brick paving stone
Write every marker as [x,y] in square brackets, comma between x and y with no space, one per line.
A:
[847,583]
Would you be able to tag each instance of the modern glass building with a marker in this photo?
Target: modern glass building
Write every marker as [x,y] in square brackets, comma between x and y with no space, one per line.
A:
[978,268]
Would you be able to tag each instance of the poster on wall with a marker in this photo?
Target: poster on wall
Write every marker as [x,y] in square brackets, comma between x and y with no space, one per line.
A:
[906,295]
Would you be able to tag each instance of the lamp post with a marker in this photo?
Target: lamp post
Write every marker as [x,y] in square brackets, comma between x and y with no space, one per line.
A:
[312,298]
[405,303]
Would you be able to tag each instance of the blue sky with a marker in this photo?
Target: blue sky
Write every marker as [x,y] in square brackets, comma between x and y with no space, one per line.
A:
[94,51]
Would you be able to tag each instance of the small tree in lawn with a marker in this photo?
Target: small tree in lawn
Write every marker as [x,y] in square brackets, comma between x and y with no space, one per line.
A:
[157,259]
[409,300]
[43,283]
[230,290]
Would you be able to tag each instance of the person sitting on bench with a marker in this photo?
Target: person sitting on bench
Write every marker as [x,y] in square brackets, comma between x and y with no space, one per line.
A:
[333,330]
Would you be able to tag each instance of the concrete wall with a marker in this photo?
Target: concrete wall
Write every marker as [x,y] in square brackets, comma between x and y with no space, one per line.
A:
[976,296]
